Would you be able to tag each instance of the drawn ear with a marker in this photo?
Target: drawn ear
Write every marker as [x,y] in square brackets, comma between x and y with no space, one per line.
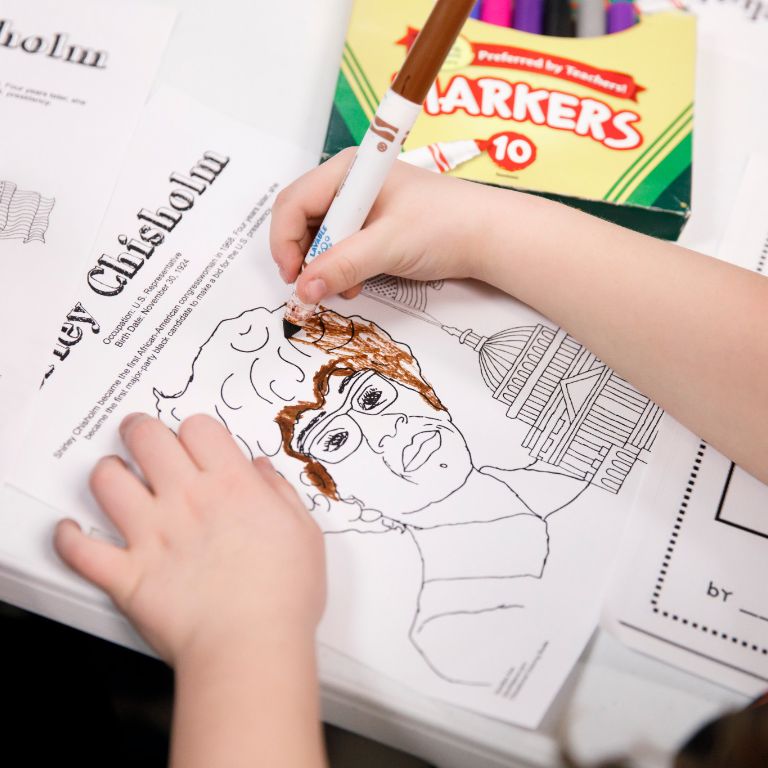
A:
[164,406]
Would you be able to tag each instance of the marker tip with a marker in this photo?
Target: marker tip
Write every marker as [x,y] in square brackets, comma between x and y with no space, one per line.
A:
[290,329]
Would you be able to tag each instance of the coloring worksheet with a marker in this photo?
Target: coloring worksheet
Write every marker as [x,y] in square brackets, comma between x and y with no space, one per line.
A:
[72,85]
[470,463]
[691,586]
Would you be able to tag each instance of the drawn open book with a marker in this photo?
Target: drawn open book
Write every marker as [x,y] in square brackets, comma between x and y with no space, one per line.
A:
[23,215]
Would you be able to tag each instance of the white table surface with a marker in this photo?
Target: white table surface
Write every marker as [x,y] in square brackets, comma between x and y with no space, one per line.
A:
[274,65]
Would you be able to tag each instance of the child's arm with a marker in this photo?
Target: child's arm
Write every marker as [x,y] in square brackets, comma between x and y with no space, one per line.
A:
[686,329]
[223,575]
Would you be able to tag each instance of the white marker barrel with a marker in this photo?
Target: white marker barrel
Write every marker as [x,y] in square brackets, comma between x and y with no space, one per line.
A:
[361,186]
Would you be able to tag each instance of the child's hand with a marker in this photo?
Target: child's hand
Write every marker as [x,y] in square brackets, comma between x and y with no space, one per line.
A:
[218,548]
[422,226]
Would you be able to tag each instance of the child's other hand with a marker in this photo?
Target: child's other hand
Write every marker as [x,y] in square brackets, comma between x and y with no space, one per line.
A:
[422,226]
[218,548]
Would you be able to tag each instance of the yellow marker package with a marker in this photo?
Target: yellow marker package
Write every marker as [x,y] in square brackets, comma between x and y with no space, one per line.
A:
[604,123]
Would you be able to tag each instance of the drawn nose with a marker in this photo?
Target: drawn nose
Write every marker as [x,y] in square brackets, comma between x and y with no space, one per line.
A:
[377,428]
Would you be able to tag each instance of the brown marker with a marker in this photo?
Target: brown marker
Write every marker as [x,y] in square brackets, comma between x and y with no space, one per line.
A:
[381,144]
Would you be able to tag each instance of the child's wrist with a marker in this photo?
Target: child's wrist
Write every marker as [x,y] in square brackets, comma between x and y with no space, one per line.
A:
[262,644]
[504,219]
[514,227]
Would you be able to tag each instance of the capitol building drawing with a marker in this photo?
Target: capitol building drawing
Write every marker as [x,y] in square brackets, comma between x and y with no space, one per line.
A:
[583,418]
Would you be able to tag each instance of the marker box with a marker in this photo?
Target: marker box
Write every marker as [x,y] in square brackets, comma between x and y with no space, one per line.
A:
[603,123]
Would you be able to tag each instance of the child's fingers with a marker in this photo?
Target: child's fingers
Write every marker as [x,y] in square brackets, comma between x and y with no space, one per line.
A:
[160,456]
[121,495]
[277,483]
[352,292]
[209,444]
[299,206]
[103,564]
[346,265]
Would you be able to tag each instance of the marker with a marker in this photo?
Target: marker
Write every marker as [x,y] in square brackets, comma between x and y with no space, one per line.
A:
[558,19]
[401,105]
[590,18]
[477,10]
[497,12]
[529,16]
[621,15]
[444,156]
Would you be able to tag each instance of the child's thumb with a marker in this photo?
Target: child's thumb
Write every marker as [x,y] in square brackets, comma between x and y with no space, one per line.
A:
[345,266]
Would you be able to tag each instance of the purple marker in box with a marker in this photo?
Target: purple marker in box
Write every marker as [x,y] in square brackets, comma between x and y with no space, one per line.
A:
[529,16]
[621,15]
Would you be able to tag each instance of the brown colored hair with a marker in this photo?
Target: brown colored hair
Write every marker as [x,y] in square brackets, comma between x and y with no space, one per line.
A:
[353,345]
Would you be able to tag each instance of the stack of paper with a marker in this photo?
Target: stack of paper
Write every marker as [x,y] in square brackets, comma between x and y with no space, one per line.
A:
[689,584]
[71,91]
[690,589]
[467,550]
[473,493]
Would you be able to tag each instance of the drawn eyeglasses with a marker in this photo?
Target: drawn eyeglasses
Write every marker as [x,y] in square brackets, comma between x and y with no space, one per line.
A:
[333,436]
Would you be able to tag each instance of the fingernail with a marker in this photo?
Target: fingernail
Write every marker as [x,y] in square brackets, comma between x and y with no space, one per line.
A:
[314,290]
[283,273]
[68,521]
[130,420]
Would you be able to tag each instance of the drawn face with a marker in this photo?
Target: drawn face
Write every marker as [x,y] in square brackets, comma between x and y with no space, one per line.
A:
[382,443]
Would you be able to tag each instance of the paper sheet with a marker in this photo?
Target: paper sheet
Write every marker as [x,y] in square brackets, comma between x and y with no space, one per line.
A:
[73,79]
[730,112]
[470,464]
[747,11]
[691,589]
[744,12]
[730,116]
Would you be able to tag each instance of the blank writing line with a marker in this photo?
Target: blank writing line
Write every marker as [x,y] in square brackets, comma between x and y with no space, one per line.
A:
[756,615]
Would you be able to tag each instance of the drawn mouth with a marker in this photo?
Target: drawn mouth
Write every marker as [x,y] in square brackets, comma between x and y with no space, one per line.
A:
[420,449]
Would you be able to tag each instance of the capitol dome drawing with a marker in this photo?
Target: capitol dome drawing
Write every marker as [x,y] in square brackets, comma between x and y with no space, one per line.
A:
[583,418]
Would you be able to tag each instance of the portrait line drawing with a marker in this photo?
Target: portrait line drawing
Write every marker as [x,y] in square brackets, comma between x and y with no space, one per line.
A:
[351,420]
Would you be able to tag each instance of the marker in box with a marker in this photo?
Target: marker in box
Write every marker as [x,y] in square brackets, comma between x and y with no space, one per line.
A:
[529,16]
[497,12]
[558,19]
[621,15]
[590,18]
